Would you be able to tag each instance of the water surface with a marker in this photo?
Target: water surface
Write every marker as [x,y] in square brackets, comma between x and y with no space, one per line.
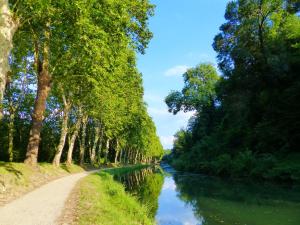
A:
[175,198]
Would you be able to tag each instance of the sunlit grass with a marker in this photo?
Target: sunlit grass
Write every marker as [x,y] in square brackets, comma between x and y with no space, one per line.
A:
[104,201]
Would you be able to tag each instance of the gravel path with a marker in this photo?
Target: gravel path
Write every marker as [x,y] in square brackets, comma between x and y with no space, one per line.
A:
[41,206]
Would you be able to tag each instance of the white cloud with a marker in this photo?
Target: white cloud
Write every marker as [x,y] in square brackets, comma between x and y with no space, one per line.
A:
[169,184]
[183,117]
[176,70]
[167,123]
[167,140]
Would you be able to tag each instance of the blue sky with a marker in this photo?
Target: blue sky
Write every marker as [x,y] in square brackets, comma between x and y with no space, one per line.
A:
[183,36]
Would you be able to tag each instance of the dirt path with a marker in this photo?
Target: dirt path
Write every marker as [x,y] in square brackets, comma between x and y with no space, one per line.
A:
[41,206]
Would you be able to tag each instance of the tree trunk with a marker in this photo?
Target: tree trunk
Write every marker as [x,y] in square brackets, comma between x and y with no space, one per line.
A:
[93,152]
[117,152]
[100,145]
[63,134]
[72,142]
[125,156]
[8,27]
[130,156]
[82,141]
[11,135]
[13,107]
[43,89]
[106,150]
[136,157]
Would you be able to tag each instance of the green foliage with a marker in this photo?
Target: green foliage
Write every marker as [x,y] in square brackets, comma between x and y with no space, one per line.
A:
[198,91]
[92,67]
[247,122]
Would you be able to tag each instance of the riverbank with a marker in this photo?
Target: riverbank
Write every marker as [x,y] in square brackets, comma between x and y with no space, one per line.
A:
[16,179]
[279,169]
[101,200]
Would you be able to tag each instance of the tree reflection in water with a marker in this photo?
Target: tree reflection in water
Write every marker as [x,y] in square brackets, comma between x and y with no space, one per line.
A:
[217,201]
[145,184]
[184,198]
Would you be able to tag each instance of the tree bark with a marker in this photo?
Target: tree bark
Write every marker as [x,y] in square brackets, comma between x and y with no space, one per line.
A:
[11,135]
[135,157]
[82,141]
[117,151]
[106,150]
[8,26]
[130,156]
[96,139]
[43,89]
[72,142]
[100,145]
[64,132]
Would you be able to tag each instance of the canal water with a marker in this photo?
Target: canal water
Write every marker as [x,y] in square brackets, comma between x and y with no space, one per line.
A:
[175,198]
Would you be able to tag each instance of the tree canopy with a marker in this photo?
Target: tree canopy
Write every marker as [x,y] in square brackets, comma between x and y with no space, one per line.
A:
[247,120]
[74,91]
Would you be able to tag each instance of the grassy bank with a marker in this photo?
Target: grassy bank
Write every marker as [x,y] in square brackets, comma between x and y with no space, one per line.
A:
[18,178]
[103,201]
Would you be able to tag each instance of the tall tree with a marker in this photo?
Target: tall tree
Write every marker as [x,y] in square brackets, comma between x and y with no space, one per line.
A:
[8,25]
[89,15]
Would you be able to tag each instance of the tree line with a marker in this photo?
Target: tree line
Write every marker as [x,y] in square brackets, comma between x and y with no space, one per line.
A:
[246,121]
[69,85]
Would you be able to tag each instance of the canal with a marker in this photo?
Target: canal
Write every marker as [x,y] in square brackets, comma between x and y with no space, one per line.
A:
[175,198]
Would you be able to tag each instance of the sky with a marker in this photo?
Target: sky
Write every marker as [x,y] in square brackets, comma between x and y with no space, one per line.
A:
[183,36]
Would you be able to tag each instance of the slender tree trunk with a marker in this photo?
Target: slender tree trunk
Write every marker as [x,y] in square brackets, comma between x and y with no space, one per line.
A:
[117,152]
[96,139]
[63,134]
[82,141]
[136,157]
[106,150]
[13,107]
[72,142]
[116,156]
[130,156]
[8,26]
[100,145]
[43,89]
[11,135]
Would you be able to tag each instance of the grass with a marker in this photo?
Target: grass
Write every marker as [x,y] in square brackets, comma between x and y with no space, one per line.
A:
[103,201]
[19,178]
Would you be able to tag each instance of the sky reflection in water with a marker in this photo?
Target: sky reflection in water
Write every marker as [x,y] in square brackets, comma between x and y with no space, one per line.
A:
[172,211]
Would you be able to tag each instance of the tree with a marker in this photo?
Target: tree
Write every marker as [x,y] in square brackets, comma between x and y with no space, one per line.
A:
[49,35]
[80,59]
[8,26]
[198,92]
[245,122]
